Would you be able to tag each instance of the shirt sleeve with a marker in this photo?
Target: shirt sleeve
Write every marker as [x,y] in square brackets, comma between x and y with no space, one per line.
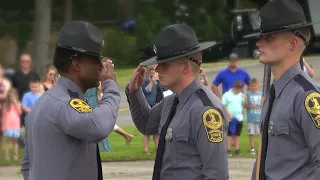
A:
[145,118]
[218,79]
[144,85]
[77,119]
[209,135]
[24,101]
[247,78]
[307,113]
[224,99]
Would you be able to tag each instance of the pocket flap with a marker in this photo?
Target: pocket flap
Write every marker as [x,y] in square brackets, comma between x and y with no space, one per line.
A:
[180,136]
[282,128]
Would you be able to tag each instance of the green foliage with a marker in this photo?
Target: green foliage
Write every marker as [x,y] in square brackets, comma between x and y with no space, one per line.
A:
[150,21]
[15,20]
[121,47]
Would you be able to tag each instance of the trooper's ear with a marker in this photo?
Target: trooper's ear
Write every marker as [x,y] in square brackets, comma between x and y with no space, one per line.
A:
[76,65]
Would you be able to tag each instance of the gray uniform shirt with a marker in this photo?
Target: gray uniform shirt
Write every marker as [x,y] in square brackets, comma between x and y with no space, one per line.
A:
[61,140]
[294,145]
[195,145]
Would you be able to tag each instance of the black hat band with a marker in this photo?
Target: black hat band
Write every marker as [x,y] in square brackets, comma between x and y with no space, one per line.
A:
[77,49]
[300,36]
[185,51]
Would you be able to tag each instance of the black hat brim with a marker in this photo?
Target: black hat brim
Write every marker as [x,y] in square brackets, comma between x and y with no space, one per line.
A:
[153,60]
[256,34]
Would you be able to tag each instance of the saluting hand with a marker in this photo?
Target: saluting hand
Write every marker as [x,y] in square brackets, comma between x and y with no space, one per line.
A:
[108,72]
[138,78]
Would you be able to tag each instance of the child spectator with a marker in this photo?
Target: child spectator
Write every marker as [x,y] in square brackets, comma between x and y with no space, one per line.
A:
[252,104]
[29,98]
[11,123]
[233,101]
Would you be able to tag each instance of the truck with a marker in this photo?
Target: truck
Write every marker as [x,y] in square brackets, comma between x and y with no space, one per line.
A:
[312,13]
[242,22]
[246,21]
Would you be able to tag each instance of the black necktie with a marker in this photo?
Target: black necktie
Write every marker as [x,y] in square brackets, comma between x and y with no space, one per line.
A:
[265,135]
[100,176]
[159,156]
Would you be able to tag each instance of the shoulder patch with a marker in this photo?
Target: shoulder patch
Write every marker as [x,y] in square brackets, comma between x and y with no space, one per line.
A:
[212,120]
[312,105]
[304,83]
[80,106]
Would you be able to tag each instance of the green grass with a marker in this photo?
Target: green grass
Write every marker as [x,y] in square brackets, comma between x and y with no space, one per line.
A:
[134,151]
[124,74]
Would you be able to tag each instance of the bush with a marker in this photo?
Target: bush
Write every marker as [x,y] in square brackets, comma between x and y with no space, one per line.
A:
[122,48]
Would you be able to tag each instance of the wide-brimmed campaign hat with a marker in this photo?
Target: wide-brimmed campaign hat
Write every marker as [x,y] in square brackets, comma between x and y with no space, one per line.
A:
[176,41]
[281,15]
[81,37]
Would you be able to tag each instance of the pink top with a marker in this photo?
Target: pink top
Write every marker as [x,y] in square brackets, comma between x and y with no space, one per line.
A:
[11,118]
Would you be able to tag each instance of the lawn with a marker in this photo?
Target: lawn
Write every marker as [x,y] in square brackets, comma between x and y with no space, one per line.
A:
[124,74]
[134,151]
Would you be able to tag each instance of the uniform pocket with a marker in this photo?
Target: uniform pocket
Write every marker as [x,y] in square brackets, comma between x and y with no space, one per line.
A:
[283,139]
[183,146]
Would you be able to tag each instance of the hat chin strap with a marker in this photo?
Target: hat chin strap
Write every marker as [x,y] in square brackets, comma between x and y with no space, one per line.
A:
[194,60]
[300,36]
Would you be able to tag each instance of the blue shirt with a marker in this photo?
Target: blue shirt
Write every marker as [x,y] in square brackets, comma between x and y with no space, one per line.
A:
[29,99]
[150,95]
[227,78]
[254,115]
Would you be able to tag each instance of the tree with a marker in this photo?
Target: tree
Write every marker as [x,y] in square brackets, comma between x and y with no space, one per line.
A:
[42,27]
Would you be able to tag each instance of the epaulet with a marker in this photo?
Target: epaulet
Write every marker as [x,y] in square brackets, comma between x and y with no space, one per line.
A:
[73,94]
[304,83]
[204,97]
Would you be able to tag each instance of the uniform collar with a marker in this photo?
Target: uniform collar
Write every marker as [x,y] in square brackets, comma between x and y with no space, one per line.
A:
[286,77]
[188,91]
[66,82]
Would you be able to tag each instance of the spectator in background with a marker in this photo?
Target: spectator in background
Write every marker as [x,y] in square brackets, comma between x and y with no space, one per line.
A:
[11,123]
[308,70]
[229,75]
[234,100]
[49,78]
[253,104]
[30,97]
[21,78]
[153,93]
[5,85]
[203,77]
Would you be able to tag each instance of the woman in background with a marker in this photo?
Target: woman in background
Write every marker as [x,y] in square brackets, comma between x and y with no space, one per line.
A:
[49,78]
[153,93]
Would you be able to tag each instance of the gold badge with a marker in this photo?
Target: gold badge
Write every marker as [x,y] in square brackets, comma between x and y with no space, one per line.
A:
[213,123]
[80,106]
[312,106]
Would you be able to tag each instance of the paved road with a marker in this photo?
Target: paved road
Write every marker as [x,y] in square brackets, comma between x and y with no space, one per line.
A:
[239,169]
[255,70]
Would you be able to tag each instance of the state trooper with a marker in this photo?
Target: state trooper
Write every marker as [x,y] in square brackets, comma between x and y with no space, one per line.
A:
[290,147]
[191,122]
[62,130]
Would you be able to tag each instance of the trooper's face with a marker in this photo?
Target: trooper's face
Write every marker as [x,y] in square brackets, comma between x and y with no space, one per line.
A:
[89,71]
[273,48]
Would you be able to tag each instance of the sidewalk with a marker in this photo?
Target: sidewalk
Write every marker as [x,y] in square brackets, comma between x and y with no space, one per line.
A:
[239,169]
